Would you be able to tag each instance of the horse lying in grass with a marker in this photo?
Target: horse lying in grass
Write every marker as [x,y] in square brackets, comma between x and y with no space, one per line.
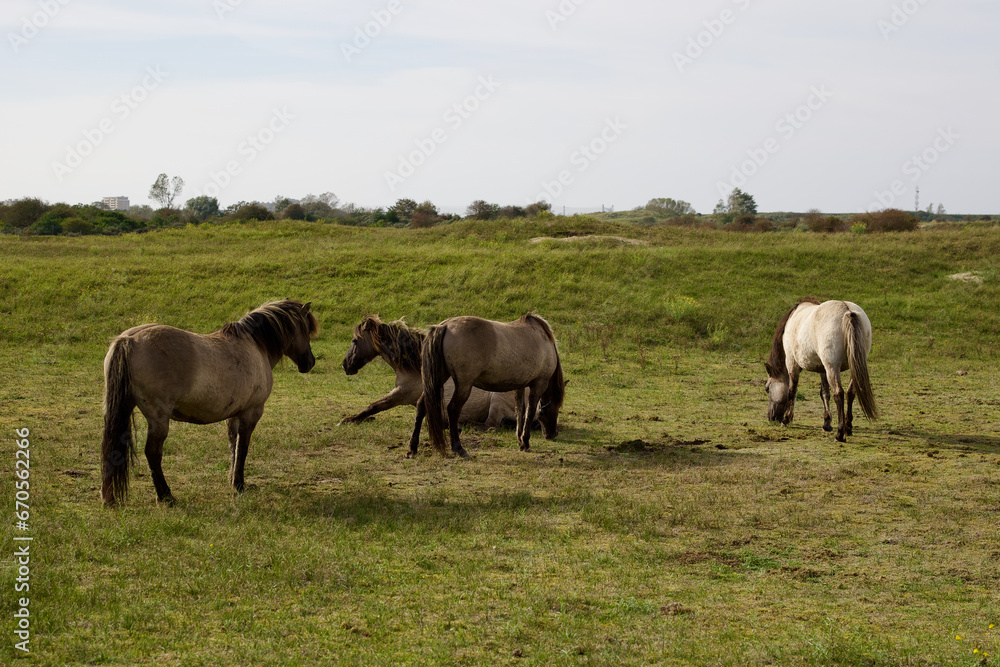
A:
[399,345]
[493,356]
[174,374]
[825,338]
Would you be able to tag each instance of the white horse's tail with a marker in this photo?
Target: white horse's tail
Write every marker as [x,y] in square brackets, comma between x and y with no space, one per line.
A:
[857,359]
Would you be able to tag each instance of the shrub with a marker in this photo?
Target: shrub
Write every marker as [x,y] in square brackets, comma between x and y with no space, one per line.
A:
[46,227]
[482,210]
[889,220]
[251,211]
[165,217]
[536,209]
[817,222]
[293,212]
[77,226]
[24,212]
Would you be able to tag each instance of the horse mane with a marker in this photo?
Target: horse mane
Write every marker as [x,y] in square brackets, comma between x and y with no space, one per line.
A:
[397,341]
[776,360]
[531,317]
[273,325]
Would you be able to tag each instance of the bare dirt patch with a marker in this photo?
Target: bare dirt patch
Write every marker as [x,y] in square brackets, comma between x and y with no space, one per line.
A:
[967,277]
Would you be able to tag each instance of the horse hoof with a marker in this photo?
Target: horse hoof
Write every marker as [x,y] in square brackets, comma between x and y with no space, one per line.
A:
[464,454]
[167,500]
[827,428]
[841,438]
[525,448]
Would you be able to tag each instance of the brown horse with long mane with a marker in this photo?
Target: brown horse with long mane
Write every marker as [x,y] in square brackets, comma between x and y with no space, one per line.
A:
[170,373]
[825,338]
[399,346]
[494,356]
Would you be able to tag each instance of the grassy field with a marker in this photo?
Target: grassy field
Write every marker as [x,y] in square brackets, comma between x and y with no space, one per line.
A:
[669,523]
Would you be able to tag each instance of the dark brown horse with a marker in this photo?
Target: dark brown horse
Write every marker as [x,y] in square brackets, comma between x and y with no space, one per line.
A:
[399,346]
[494,356]
[826,338]
[174,374]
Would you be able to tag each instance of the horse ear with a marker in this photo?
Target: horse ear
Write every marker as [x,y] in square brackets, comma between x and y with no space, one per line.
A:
[770,371]
[305,308]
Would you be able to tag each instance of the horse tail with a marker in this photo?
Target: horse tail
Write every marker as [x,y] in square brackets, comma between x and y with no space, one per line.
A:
[434,373]
[857,359]
[117,444]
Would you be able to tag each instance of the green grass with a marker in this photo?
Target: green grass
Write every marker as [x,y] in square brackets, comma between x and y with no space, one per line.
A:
[669,523]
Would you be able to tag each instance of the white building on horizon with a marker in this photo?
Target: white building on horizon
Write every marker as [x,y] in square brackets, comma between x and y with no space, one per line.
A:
[116,203]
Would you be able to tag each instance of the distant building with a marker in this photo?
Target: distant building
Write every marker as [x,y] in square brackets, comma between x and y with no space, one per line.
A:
[115,203]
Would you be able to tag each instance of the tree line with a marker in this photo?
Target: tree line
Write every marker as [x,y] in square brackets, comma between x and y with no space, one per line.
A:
[738,212]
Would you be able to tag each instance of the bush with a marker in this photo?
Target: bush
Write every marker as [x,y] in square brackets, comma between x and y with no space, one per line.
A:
[46,227]
[251,211]
[889,220]
[817,222]
[166,217]
[24,212]
[76,225]
[536,209]
[293,212]
[482,210]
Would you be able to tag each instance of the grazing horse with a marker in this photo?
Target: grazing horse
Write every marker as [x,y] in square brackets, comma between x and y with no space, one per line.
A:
[399,345]
[494,356]
[174,374]
[825,338]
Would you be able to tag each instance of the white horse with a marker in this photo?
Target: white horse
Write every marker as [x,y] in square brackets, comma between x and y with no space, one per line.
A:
[825,338]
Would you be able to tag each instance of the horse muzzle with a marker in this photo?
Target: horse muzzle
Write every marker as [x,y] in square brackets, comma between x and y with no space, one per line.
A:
[307,365]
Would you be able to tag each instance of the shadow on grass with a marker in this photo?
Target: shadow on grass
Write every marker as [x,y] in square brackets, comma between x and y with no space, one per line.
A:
[984,444]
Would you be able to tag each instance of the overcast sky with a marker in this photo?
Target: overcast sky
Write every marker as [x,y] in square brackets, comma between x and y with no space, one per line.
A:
[838,106]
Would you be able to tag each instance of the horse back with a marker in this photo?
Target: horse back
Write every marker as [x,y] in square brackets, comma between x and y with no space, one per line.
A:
[814,336]
[195,377]
[499,356]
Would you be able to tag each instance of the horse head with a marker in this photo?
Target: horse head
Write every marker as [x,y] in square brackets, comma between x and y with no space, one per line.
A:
[297,346]
[551,403]
[362,350]
[777,394]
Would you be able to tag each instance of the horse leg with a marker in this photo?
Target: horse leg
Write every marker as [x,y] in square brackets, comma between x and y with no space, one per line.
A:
[415,437]
[519,412]
[833,377]
[394,398]
[233,428]
[458,400]
[534,394]
[247,422]
[793,389]
[156,434]
[824,394]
